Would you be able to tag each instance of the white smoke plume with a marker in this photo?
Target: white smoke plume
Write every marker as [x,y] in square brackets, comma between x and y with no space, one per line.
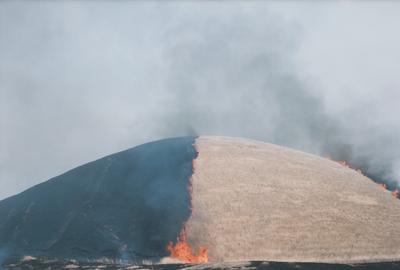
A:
[79,80]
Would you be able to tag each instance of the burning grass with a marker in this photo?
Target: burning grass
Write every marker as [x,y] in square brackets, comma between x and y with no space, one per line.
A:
[182,250]
[395,192]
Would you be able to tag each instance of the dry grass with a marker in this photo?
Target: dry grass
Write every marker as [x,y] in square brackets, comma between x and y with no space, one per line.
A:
[257,201]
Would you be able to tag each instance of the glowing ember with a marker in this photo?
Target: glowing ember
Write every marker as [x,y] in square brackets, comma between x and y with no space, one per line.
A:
[182,249]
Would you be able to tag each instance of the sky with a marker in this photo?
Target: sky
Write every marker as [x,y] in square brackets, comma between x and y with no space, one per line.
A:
[81,80]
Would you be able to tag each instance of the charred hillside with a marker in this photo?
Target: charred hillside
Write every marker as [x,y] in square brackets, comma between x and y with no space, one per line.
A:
[128,205]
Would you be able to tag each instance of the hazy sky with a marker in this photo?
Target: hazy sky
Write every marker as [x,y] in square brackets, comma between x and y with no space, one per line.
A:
[80,80]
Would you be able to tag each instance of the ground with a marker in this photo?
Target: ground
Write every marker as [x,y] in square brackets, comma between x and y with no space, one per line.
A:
[58,265]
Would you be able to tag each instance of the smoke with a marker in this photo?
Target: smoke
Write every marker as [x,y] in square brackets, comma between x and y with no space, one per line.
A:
[3,256]
[80,80]
[232,76]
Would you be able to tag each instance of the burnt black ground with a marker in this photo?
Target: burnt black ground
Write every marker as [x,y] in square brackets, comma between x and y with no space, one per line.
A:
[127,205]
[49,265]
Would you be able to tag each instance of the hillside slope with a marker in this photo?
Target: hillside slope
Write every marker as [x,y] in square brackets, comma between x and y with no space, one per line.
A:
[127,205]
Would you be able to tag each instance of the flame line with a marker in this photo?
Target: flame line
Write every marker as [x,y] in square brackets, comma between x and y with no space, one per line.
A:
[182,249]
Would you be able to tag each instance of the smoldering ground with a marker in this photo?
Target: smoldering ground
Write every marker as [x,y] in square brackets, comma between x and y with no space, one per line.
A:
[80,80]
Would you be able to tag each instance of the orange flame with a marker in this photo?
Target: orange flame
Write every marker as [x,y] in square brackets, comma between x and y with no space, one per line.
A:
[396,193]
[345,164]
[182,249]
[184,252]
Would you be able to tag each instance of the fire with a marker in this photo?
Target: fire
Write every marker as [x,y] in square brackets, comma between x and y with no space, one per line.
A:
[184,252]
[345,164]
[395,193]
[182,249]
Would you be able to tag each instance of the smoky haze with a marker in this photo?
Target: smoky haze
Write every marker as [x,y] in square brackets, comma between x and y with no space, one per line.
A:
[80,80]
